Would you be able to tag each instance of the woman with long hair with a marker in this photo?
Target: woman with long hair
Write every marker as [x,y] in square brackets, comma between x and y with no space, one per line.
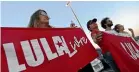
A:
[39,19]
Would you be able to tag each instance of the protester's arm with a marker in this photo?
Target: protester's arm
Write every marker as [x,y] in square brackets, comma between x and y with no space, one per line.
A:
[132,32]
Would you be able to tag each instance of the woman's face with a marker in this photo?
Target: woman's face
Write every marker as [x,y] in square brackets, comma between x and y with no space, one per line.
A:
[43,18]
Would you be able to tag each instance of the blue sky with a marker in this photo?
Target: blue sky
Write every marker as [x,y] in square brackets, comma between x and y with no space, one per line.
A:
[17,14]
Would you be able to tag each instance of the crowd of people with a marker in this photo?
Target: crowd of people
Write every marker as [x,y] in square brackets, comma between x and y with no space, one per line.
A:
[106,23]
[40,19]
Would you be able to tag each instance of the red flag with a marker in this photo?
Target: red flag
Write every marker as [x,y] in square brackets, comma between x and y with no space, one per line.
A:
[45,50]
[124,50]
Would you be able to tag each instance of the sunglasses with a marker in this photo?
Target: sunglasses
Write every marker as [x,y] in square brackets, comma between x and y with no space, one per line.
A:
[44,14]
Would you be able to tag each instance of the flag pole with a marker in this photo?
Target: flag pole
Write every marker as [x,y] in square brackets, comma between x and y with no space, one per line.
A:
[68,4]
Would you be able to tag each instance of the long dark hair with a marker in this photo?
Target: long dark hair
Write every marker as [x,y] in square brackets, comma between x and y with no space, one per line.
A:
[35,18]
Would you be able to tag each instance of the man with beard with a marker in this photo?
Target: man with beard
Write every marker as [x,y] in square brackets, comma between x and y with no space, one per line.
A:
[106,23]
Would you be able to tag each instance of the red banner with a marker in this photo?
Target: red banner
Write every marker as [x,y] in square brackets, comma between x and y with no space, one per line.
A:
[45,50]
[124,50]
